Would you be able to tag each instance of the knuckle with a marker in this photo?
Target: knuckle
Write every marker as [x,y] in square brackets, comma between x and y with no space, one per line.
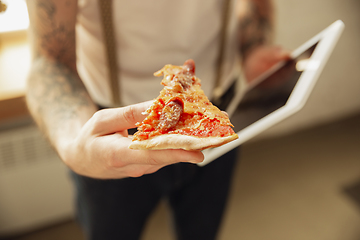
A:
[109,164]
[153,160]
[128,114]
[98,115]
[112,161]
[136,173]
[97,119]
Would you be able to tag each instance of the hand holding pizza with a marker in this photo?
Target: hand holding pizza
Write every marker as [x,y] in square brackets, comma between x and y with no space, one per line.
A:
[182,117]
[101,148]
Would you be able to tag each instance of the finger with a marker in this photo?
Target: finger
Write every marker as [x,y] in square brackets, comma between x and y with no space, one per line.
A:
[155,157]
[280,54]
[120,161]
[169,156]
[133,170]
[112,120]
[226,114]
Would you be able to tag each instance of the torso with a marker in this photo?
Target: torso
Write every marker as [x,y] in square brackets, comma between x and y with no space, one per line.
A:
[150,34]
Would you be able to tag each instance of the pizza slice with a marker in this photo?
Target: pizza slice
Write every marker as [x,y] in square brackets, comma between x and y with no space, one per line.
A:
[182,117]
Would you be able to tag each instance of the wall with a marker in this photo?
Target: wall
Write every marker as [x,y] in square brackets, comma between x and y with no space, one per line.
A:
[337,93]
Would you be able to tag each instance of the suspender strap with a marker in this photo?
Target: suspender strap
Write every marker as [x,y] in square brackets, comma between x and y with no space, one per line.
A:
[111,54]
[110,44]
[218,91]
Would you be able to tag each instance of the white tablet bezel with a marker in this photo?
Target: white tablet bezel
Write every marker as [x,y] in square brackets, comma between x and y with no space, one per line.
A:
[327,40]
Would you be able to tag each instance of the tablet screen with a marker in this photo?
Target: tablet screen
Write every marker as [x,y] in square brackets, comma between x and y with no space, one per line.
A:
[271,92]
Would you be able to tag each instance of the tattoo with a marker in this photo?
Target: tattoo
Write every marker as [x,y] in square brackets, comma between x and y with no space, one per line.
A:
[55,39]
[55,93]
[256,25]
[59,86]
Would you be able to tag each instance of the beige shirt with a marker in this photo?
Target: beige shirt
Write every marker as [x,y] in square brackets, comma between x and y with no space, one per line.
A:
[150,34]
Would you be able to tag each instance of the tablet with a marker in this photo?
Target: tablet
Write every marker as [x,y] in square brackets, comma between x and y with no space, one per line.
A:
[278,93]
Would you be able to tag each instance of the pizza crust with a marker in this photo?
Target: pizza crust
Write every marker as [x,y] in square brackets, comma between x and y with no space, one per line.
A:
[177,141]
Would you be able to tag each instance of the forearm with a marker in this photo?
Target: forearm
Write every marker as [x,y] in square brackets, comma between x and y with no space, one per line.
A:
[57,100]
[256,24]
[56,96]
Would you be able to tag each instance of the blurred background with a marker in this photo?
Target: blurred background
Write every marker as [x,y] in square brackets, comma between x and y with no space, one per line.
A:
[298,180]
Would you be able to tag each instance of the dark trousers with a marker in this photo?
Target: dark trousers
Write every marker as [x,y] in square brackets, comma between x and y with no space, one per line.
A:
[118,209]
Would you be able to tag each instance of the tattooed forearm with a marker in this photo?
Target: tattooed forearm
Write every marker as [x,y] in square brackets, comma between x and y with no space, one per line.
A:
[53,34]
[55,94]
[256,24]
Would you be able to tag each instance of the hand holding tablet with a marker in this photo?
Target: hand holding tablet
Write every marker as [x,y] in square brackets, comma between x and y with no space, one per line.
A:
[253,110]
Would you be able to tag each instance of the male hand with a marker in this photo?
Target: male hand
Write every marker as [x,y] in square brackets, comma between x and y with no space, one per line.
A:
[101,148]
[263,58]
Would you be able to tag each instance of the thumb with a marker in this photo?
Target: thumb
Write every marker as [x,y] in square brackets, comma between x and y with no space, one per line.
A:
[118,119]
